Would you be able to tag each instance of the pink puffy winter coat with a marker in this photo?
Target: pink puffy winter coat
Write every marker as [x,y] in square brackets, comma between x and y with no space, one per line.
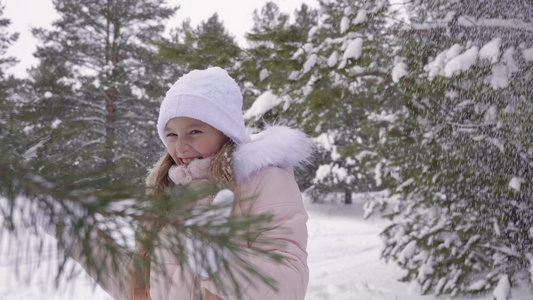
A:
[264,170]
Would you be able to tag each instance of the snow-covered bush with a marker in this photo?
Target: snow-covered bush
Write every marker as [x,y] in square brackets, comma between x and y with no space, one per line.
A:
[461,152]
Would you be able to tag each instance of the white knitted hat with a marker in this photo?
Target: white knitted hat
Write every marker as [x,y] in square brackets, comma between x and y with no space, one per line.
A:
[210,96]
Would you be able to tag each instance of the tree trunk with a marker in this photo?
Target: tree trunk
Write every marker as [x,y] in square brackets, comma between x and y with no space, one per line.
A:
[111,93]
[347,196]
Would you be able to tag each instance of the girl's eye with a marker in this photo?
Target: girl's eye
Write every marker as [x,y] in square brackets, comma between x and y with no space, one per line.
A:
[195,131]
[171,134]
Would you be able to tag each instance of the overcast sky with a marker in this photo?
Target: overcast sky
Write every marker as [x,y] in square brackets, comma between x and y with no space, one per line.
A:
[236,15]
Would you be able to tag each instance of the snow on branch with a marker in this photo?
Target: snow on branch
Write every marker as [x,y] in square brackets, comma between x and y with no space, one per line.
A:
[502,23]
[262,105]
[467,21]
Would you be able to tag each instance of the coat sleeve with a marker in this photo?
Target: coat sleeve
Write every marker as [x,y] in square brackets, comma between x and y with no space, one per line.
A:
[111,275]
[276,193]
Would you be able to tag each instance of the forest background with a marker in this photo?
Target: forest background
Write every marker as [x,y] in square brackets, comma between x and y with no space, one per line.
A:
[427,100]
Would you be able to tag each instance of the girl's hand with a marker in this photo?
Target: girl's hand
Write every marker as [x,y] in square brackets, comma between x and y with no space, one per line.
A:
[205,258]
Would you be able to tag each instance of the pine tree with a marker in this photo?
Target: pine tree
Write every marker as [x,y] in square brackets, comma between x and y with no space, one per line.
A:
[336,75]
[9,86]
[6,39]
[266,63]
[268,59]
[209,44]
[272,40]
[98,71]
[457,150]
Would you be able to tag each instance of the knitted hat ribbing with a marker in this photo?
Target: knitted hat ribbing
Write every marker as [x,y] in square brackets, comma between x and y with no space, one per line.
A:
[210,96]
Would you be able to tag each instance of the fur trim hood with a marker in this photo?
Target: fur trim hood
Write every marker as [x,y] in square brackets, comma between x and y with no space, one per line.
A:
[275,146]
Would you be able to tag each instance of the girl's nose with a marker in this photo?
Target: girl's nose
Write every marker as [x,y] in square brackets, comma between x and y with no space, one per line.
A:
[182,147]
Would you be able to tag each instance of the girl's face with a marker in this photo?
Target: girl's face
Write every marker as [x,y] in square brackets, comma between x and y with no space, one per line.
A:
[189,139]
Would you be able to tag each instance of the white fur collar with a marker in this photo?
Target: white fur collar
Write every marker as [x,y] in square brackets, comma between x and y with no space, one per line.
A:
[275,146]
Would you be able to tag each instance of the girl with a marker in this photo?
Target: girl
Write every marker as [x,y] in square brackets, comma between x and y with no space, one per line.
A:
[201,124]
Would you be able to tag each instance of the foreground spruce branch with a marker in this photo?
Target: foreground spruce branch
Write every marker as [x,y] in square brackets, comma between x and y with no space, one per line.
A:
[96,226]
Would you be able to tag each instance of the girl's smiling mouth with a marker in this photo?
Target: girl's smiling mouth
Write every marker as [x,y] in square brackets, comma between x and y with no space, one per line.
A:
[188,160]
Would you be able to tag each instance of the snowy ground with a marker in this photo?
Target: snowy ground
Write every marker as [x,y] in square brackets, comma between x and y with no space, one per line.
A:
[344,256]
[344,260]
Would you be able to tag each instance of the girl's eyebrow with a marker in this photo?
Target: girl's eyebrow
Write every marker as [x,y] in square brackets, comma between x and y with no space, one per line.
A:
[195,126]
[196,123]
[168,129]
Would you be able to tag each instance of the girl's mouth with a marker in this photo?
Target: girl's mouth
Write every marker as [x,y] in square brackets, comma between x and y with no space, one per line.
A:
[187,161]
